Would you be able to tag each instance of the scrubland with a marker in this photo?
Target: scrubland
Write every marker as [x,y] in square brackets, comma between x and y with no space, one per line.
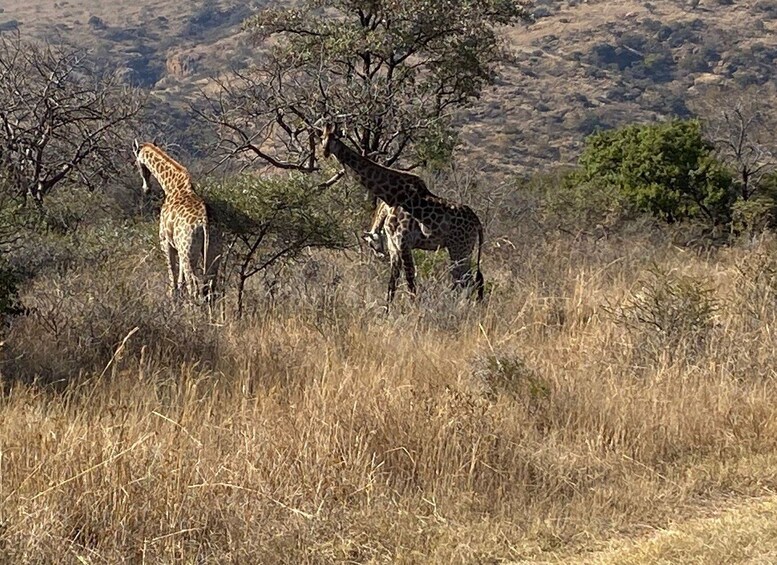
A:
[611,401]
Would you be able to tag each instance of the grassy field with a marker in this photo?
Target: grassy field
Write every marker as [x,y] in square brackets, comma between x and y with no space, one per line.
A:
[611,402]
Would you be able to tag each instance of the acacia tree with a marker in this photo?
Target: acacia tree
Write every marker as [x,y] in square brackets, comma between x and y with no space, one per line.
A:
[267,222]
[394,71]
[60,118]
[741,127]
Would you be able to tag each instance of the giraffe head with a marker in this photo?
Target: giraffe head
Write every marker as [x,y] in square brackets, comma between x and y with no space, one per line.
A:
[375,241]
[145,172]
[329,133]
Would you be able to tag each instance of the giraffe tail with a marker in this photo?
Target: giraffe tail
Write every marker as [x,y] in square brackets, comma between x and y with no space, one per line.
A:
[480,282]
[208,285]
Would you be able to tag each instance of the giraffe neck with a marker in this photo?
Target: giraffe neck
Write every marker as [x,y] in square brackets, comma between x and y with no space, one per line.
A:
[393,187]
[173,177]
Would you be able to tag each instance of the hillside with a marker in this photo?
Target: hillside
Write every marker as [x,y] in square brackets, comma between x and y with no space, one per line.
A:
[159,45]
[599,64]
[582,65]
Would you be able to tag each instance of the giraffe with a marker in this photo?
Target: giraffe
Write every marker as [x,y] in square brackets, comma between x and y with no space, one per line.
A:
[413,218]
[184,229]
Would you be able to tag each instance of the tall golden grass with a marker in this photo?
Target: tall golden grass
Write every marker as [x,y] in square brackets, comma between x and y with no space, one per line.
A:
[605,388]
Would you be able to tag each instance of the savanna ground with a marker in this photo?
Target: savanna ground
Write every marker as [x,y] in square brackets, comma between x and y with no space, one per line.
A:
[610,402]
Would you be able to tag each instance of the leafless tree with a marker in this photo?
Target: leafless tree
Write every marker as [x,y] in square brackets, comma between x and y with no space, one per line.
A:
[741,125]
[60,118]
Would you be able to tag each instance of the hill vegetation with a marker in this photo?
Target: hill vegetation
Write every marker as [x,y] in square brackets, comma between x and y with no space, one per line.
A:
[579,67]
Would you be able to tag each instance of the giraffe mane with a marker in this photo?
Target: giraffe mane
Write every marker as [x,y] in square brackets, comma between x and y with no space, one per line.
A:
[161,152]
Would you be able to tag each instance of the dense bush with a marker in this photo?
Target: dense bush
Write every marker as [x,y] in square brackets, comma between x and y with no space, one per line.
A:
[671,313]
[666,169]
[752,216]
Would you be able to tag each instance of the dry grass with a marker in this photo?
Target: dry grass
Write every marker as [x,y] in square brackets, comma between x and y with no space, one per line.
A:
[547,423]
[744,533]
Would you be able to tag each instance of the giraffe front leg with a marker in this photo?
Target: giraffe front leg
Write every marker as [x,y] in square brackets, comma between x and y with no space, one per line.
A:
[393,278]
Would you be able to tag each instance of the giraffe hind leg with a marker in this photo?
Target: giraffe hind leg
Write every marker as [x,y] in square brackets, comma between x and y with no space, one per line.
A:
[194,283]
[409,266]
[213,264]
[173,270]
[201,270]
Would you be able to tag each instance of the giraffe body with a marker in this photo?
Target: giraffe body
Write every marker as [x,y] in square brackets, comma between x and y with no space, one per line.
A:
[185,234]
[414,218]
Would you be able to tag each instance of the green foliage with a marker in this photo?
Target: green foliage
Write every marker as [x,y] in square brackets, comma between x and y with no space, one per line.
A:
[666,169]
[429,262]
[577,205]
[264,222]
[507,375]
[752,216]
[289,210]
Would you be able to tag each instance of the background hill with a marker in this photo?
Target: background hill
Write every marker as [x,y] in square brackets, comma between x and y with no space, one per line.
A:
[582,65]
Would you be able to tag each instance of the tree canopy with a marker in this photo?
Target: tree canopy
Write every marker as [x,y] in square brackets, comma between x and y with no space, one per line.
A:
[667,169]
[394,71]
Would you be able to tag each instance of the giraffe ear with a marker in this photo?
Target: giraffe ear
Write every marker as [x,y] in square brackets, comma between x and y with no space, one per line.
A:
[135,147]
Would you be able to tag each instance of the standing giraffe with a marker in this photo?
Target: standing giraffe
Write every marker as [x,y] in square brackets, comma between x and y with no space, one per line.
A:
[414,218]
[184,232]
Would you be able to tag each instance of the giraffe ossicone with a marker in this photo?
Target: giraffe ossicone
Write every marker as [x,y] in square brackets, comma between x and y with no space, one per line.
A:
[185,232]
[413,218]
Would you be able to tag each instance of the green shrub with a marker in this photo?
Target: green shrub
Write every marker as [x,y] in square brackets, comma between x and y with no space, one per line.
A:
[752,216]
[507,375]
[576,205]
[264,222]
[667,312]
[666,169]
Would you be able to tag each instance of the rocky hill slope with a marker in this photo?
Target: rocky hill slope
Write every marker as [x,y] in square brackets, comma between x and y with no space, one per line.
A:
[583,64]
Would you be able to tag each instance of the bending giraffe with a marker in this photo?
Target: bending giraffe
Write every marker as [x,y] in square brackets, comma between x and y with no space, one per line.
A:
[414,218]
[389,224]
[376,235]
[184,228]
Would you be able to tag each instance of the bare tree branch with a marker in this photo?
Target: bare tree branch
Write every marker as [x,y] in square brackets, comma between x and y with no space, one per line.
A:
[741,127]
[59,117]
